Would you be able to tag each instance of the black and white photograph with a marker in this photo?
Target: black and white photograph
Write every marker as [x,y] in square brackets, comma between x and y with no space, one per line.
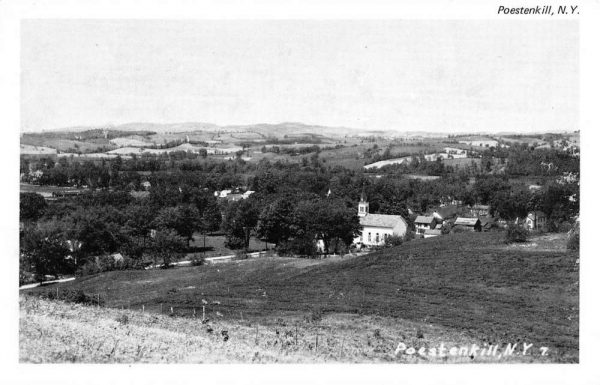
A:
[304,190]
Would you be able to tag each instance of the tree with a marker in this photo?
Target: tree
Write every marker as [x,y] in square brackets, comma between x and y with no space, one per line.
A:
[98,229]
[211,219]
[45,253]
[31,206]
[275,221]
[241,218]
[184,220]
[328,220]
[139,221]
[516,233]
[167,246]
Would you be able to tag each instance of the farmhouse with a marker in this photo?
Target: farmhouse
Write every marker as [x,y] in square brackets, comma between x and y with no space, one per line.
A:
[472,224]
[423,223]
[536,220]
[376,228]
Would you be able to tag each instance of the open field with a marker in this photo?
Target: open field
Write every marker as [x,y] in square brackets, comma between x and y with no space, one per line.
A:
[470,284]
[45,191]
[55,331]
[462,162]
[66,145]
[216,245]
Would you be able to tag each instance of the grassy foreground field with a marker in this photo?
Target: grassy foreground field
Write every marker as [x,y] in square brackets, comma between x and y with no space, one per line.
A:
[463,288]
[56,332]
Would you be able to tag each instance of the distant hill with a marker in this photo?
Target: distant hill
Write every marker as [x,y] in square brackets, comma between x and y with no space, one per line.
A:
[266,129]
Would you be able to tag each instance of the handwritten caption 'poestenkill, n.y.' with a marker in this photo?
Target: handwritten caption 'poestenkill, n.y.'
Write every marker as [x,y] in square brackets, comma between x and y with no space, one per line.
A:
[539,10]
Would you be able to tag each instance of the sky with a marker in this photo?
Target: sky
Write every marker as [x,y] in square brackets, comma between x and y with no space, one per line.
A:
[405,75]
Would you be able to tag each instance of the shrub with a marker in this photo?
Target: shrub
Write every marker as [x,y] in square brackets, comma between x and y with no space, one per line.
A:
[564,227]
[298,246]
[516,233]
[408,236]
[573,238]
[198,260]
[460,229]
[240,255]
[235,243]
[71,295]
[123,319]
[315,315]
[394,240]
[106,263]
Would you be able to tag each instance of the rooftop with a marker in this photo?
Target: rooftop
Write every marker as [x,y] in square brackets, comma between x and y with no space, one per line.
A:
[381,220]
[424,219]
[466,221]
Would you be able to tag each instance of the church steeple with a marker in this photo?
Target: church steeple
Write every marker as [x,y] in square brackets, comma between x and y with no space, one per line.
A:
[363,205]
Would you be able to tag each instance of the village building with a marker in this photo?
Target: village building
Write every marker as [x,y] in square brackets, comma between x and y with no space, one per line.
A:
[376,228]
[536,220]
[472,224]
[444,214]
[479,210]
[233,196]
[432,233]
[423,223]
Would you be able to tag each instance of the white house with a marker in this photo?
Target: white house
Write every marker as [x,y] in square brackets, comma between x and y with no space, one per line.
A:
[536,220]
[376,228]
[422,223]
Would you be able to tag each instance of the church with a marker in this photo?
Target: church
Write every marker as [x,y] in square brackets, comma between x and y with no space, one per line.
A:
[376,228]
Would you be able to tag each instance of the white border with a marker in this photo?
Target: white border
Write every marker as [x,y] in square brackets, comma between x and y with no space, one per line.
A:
[12,11]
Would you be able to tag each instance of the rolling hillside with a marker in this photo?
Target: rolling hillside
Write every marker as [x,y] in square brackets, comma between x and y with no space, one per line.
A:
[471,284]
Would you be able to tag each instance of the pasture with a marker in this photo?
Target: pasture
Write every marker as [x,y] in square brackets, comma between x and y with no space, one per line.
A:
[471,284]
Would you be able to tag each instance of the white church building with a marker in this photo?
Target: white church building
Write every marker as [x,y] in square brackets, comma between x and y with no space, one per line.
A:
[376,228]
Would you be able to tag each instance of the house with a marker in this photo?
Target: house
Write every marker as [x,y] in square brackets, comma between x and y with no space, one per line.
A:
[455,153]
[536,220]
[423,223]
[222,193]
[445,213]
[233,195]
[376,228]
[479,210]
[473,224]
[432,233]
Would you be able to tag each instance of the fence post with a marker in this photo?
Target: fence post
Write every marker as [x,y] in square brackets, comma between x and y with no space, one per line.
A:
[142,308]
[203,314]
